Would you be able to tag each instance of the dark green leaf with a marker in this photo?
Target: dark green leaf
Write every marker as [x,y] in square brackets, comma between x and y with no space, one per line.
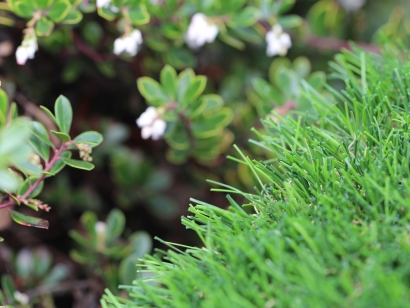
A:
[29,221]
[64,114]
[79,164]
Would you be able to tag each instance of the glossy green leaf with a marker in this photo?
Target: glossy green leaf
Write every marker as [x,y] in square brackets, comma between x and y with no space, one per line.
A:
[25,263]
[91,138]
[266,91]
[43,4]
[26,186]
[178,138]
[184,80]
[63,113]
[23,9]
[49,113]
[29,221]
[58,273]
[152,91]
[177,156]
[72,18]
[179,58]
[59,10]
[63,137]
[79,164]
[44,26]
[195,89]
[247,17]
[115,225]
[168,79]
[212,125]
[290,21]
[139,15]
[8,287]
[40,132]
[4,105]
[107,13]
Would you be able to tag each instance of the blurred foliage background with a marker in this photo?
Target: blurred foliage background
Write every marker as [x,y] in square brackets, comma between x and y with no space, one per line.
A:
[133,176]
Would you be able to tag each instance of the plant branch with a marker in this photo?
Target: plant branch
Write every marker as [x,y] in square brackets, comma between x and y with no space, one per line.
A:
[47,167]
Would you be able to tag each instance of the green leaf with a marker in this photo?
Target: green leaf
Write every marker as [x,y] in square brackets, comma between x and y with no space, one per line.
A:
[152,91]
[91,138]
[317,80]
[4,105]
[142,243]
[64,114]
[43,4]
[195,89]
[139,15]
[79,164]
[39,140]
[59,10]
[178,137]
[25,263]
[177,156]
[212,125]
[23,9]
[7,181]
[180,58]
[231,41]
[248,17]
[290,21]
[184,80]
[56,275]
[27,184]
[49,113]
[63,137]
[266,91]
[72,18]
[44,26]
[107,13]
[115,225]
[169,81]
[8,287]
[213,102]
[59,164]
[29,221]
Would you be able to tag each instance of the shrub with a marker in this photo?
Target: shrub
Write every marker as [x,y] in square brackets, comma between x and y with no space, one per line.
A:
[329,226]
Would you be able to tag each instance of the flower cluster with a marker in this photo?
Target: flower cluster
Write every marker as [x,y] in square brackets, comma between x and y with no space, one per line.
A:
[200,31]
[85,151]
[27,49]
[128,43]
[151,123]
[278,42]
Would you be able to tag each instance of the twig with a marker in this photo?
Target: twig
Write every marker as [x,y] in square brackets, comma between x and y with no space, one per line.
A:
[337,45]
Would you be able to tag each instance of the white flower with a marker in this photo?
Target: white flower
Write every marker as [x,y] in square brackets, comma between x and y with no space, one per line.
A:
[200,31]
[278,42]
[352,5]
[128,44]
[103,3]
[100,227]
[22,298]
[151,123]
[26,50]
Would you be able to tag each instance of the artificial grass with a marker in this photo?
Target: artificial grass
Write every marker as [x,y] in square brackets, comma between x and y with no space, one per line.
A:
[330,226]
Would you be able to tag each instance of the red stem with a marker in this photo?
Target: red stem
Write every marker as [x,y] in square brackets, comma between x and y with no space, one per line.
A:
[47,167]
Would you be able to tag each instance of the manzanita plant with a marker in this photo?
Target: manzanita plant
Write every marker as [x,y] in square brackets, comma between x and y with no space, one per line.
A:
[193,123]
[28,156]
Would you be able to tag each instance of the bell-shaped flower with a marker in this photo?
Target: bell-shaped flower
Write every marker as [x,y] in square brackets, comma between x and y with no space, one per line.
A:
[200,31]
[151,124]
[26,50]
[278,42]
[128,44]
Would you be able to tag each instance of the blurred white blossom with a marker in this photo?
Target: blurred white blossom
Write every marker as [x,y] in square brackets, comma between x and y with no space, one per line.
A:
[22,298]
[200,31]
[352,5]
[128,44]
[278,42]
[103,3]
[151,124]
[26,50]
